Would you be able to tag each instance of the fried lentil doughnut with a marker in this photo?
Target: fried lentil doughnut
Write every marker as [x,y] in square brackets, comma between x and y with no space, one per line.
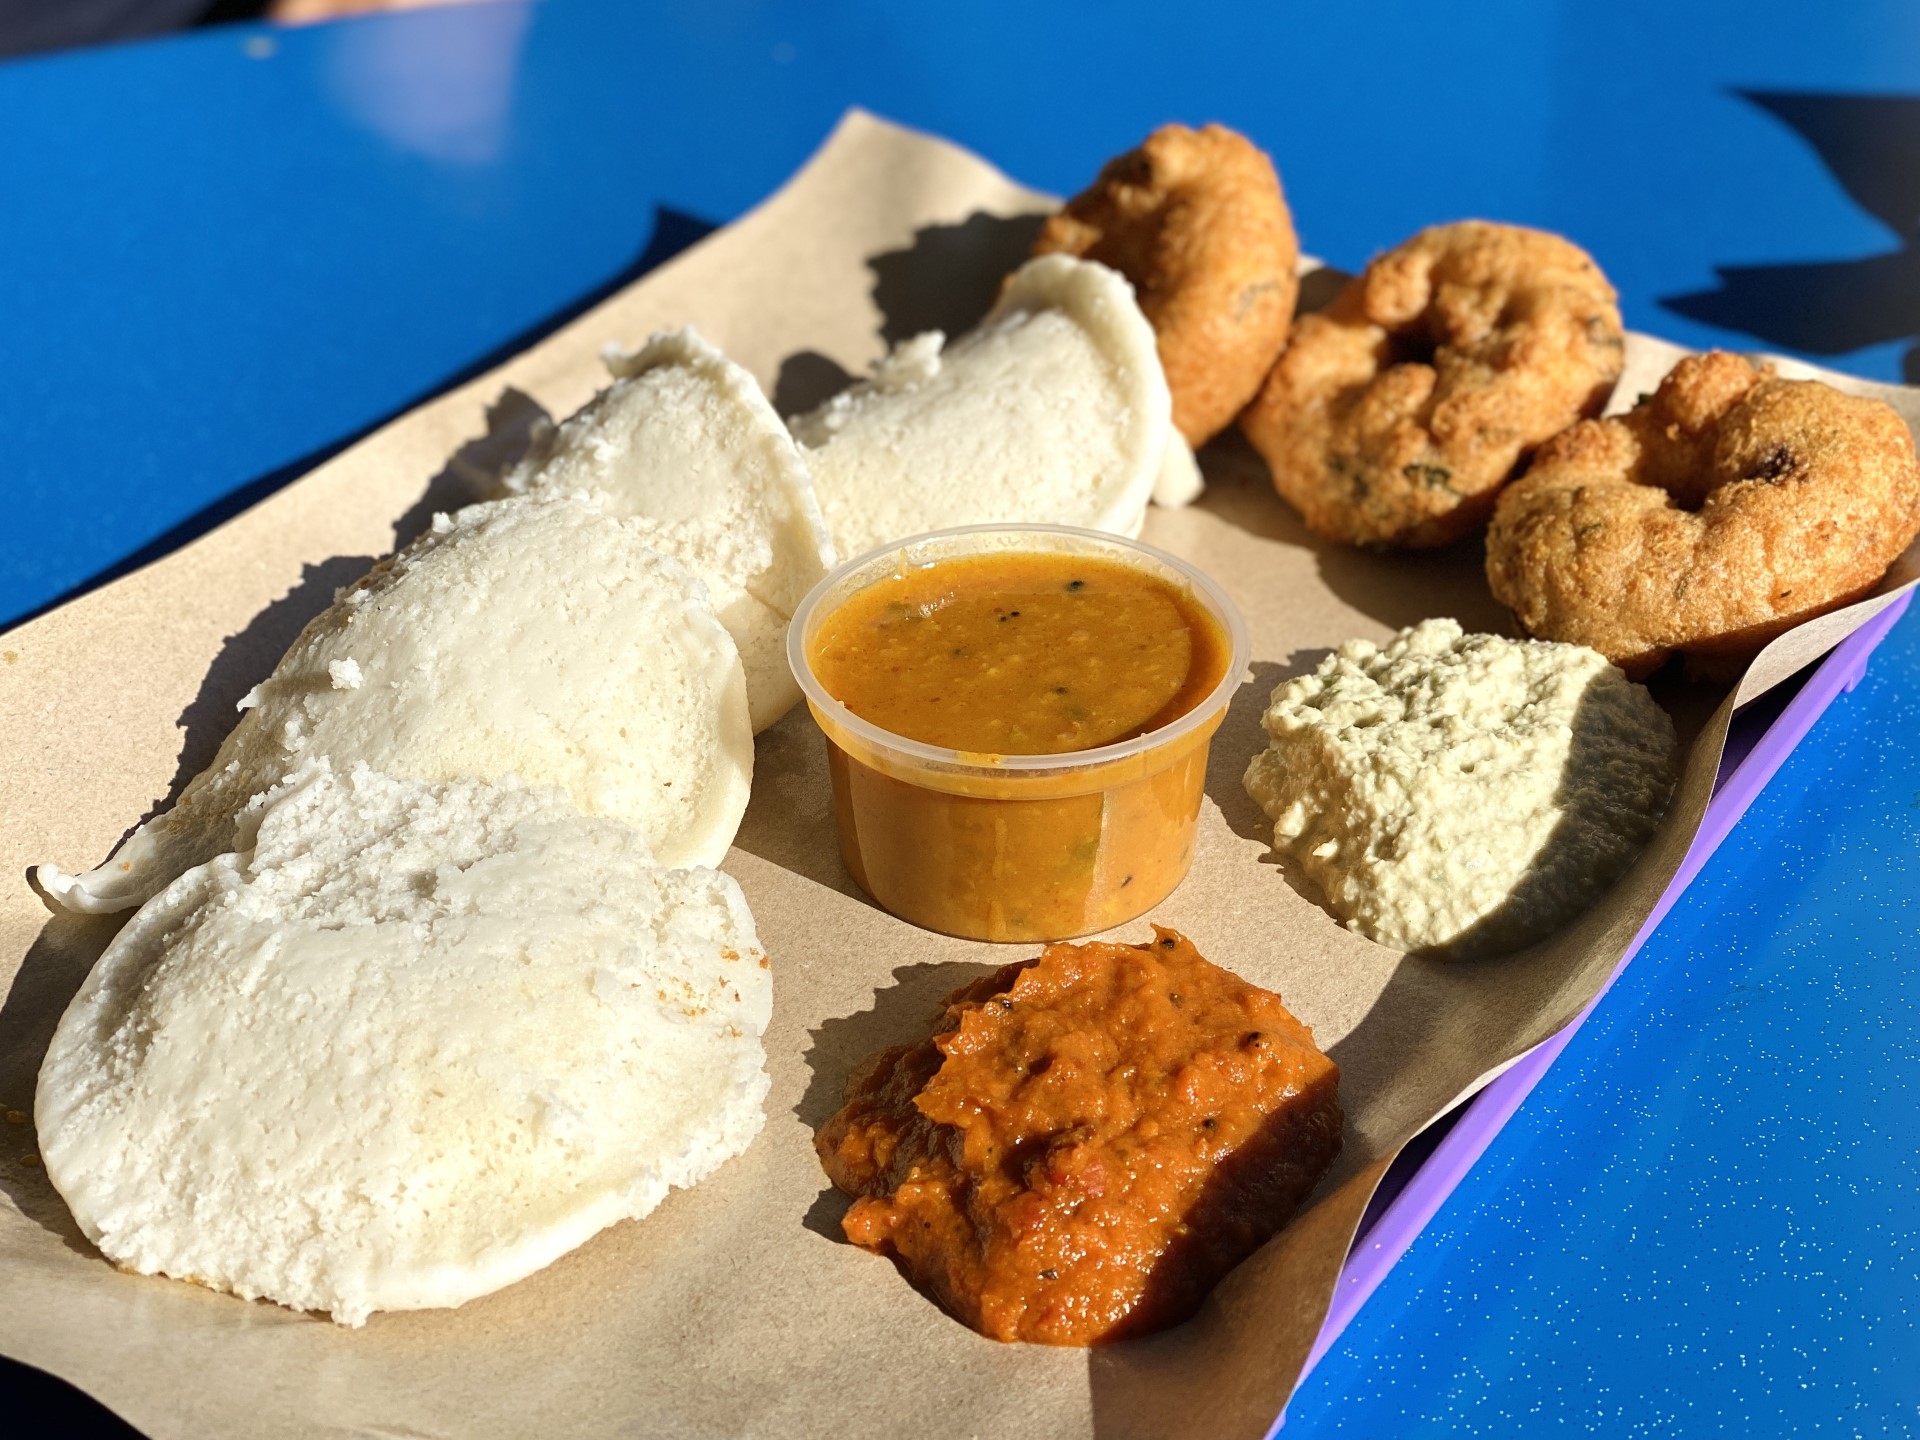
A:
[1395,415]
[1727,507]
[1195,219]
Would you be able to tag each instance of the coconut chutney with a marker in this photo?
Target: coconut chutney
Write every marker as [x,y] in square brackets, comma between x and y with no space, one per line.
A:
[1461,793]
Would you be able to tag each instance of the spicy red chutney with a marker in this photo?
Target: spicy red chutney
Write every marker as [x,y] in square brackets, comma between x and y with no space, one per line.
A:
[1089,1141]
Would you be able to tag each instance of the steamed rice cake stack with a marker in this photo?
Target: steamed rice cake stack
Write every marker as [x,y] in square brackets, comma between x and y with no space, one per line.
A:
[431,978]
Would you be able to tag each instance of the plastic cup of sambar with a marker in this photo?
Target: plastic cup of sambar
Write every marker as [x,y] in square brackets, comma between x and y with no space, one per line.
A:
[1016,847]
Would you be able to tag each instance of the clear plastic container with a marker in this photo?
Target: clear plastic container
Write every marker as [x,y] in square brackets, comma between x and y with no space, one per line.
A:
[1016,847]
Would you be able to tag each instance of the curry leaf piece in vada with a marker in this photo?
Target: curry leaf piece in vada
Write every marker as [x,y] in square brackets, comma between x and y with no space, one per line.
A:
[1196,220]
[1729,506]
[1395,415]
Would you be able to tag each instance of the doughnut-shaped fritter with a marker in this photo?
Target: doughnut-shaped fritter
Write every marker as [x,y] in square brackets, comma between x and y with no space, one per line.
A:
[1195,219]
[1727,507]
[1395,415]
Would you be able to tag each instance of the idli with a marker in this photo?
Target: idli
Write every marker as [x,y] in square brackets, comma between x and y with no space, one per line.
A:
[537,636]
[1052,410]
[413,1042]
[685,446]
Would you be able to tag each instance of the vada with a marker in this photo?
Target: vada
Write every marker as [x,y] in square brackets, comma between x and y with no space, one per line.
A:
[1394,416]
[1727,507]
[1196,221]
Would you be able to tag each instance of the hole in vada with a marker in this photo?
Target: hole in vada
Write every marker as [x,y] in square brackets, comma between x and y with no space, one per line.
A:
[1411,347]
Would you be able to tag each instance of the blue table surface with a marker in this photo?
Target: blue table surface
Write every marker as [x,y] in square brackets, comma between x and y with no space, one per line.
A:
[223,255]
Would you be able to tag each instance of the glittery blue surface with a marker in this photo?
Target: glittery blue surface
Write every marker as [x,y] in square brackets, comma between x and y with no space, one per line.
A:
[1706,1218]
[226,254]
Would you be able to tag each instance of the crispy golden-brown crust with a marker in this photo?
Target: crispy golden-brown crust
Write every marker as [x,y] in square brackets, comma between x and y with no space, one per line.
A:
[1195,219]
[1395,415]
[1724,509]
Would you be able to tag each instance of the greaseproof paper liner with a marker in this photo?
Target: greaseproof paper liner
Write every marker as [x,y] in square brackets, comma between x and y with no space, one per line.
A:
[736,1308]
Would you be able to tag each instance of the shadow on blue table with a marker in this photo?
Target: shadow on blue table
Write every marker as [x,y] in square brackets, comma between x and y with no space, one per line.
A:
[1871,145]
[57,1408]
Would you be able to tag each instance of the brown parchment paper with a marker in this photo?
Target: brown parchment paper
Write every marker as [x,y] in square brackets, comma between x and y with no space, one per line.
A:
[736,1309]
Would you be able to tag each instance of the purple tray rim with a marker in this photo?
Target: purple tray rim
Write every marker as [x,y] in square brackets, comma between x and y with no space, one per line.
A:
[1376,1251]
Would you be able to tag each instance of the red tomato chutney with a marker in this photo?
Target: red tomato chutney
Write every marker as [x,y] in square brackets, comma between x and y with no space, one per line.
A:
[1089,1141]
[1019,653]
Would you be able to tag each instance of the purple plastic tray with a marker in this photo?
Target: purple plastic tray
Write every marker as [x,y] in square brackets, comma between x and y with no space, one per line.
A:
[1760,739]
